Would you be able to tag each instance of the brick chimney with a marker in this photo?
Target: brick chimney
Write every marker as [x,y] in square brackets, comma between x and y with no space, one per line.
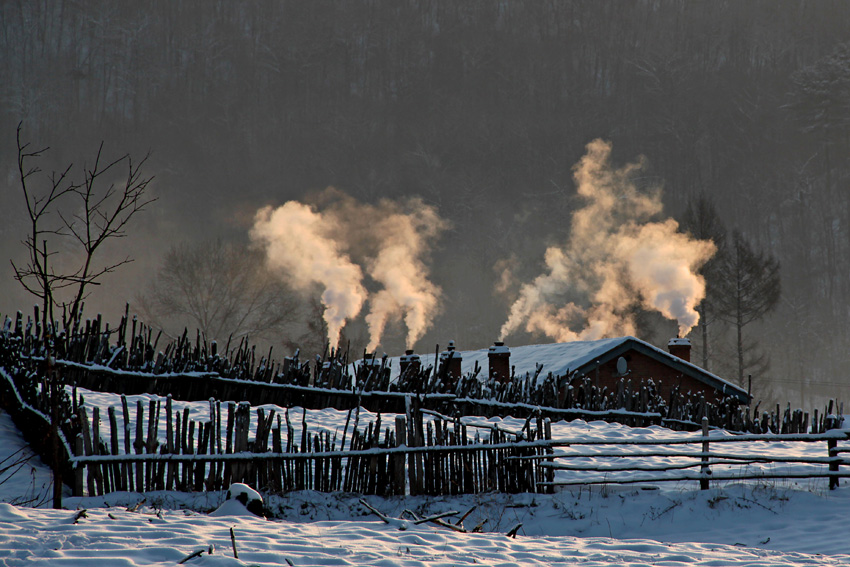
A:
[499,357]
[681,348]
[409,363]
[453,358]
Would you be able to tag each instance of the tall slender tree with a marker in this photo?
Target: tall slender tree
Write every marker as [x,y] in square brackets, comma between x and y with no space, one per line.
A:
[748,289]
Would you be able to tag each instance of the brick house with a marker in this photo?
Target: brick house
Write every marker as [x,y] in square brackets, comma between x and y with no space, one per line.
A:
[639,361]
[604,361]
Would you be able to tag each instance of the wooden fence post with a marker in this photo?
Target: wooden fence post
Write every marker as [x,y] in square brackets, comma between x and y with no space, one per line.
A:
[79,469]
[833,466]
[704,470]
[550,472]
[400,438]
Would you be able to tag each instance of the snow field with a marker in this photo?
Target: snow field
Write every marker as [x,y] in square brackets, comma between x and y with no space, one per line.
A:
[116,537]
[767,522]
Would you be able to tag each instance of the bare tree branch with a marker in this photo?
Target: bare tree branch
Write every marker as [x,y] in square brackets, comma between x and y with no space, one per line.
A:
[104,214]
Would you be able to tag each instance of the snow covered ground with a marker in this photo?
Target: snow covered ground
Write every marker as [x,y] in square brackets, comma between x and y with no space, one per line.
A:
[767,522]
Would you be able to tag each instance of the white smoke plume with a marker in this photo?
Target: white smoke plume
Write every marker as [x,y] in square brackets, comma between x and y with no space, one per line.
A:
[389,240]
[298,243]
[615,260]
[403,236]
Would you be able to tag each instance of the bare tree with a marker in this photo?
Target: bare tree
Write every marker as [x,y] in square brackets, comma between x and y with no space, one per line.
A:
[38,276]
[222,288]
[104,209]
[103,215]
[749,288]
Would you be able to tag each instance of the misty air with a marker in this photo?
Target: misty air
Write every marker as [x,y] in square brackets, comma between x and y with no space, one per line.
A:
[603,219]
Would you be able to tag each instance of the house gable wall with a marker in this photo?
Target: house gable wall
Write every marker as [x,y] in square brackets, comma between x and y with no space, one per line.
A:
[642,368]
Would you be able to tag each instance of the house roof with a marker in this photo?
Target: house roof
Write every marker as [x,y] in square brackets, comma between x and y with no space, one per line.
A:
[582,357]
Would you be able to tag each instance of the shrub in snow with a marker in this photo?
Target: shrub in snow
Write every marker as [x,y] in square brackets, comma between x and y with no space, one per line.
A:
[240,499]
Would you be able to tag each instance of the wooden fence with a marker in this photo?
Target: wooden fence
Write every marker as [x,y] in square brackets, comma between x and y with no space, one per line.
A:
[409,456]
[703,459]
[125,360]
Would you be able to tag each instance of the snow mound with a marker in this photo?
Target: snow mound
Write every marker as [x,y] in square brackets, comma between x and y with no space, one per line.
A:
[241,500]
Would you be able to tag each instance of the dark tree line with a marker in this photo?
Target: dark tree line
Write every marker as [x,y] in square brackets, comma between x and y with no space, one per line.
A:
[481,108]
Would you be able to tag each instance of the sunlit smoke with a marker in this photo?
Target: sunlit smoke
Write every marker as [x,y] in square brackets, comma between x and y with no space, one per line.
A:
[327,246]
[616,259]
[298,244]
[402,237]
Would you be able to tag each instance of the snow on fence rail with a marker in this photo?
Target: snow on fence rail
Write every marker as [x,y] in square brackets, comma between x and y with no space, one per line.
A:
[410,456]
[706,460]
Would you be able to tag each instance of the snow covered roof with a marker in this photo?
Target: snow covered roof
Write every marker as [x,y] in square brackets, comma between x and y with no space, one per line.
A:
[581,356]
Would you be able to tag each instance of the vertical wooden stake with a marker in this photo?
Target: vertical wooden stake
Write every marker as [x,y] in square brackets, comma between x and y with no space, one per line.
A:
[233,543]
[398,473]
[704,470]
[78,471]
[550,472]
[833,466]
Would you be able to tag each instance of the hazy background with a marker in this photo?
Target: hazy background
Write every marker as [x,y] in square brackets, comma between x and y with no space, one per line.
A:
[479,108]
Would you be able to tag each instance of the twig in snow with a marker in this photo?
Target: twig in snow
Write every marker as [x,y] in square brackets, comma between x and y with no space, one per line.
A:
[514,530]
[462,518]
[376,512]
[435,517]
[453,527]
[233,543]
[196,553]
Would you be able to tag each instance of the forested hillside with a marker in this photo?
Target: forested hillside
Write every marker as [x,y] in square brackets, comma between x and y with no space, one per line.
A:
[481,108]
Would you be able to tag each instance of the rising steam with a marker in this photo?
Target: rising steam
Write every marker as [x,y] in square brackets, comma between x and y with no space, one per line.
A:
[390,239]
[615,260]
[398,266]
[298,243]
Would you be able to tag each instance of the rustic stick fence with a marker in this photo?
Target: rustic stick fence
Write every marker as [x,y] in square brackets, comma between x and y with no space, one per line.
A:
[409,456]
[125,360]
[704,459]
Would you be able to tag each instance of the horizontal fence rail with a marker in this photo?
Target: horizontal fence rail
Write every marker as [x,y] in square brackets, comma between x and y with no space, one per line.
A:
[704,459]
[410,456]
